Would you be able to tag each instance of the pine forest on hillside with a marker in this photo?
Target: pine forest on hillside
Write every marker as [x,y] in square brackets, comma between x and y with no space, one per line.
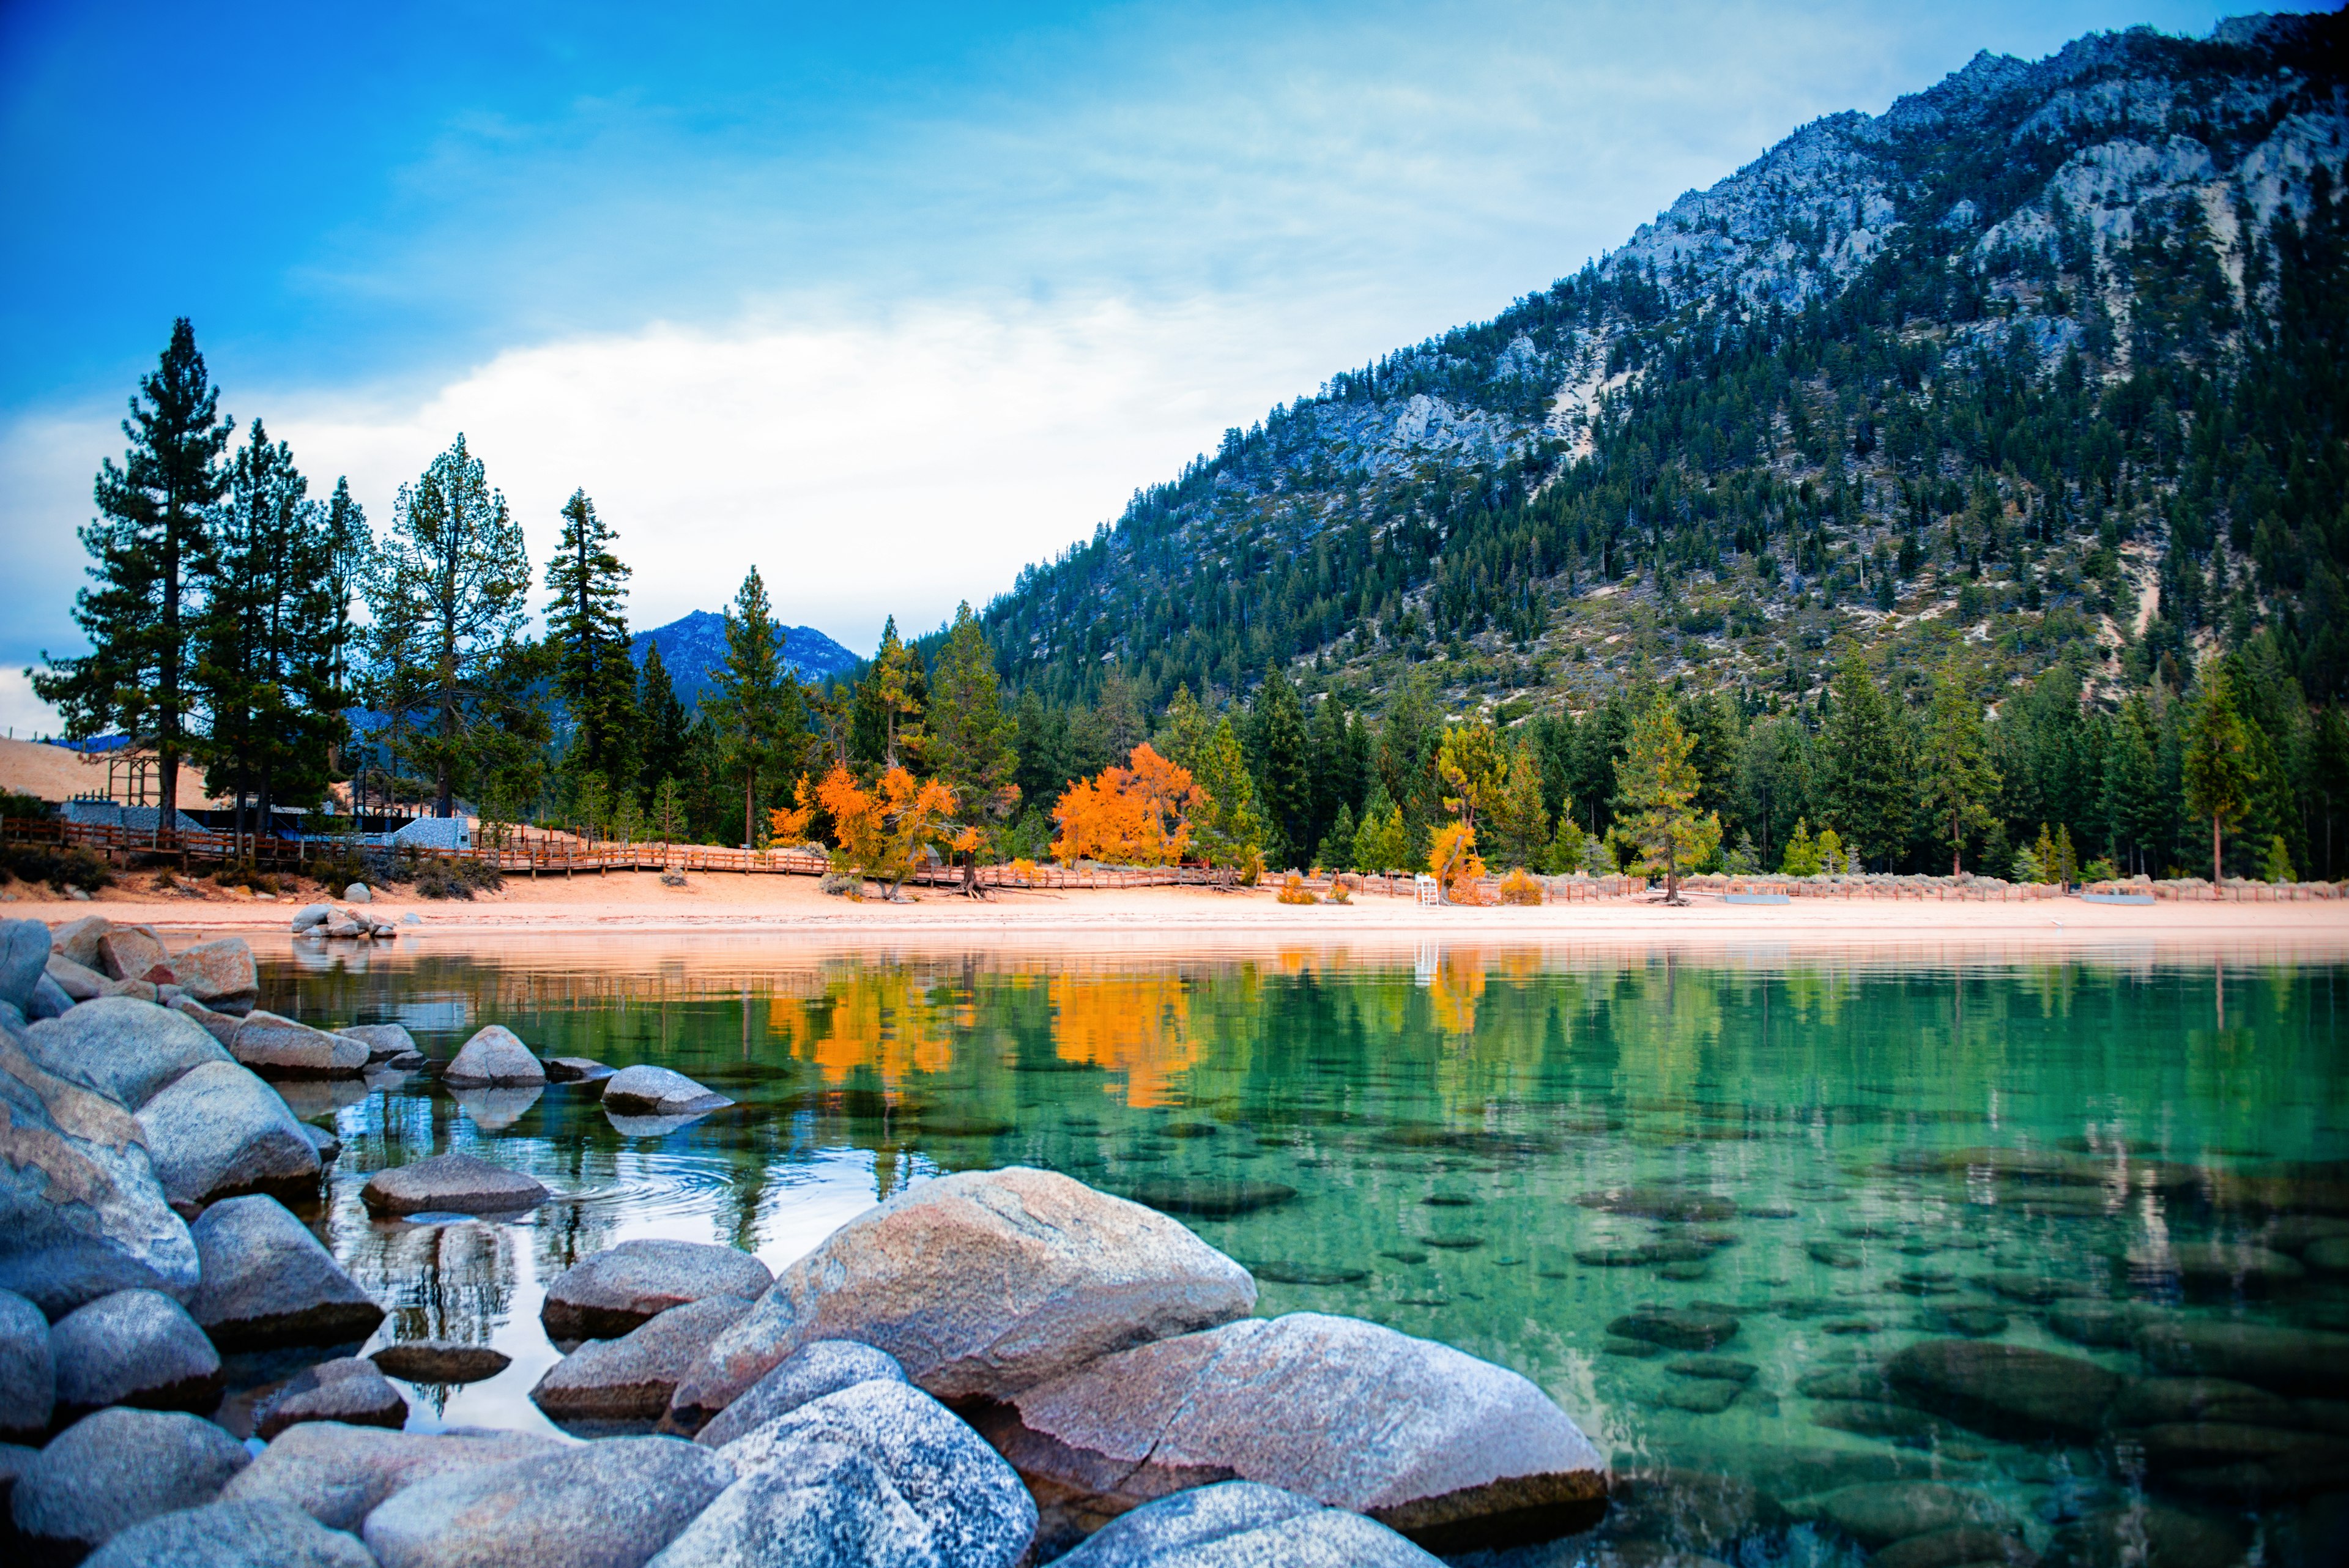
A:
[1963,486]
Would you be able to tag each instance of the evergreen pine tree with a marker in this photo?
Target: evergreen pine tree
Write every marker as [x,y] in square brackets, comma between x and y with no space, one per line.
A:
[755,708]
[1331,765]
[349,550]
[2220,775]
[588,638]
[1408,742]
[663,726]
[1655,791]
[970,734]
[1516,826]
[1957,782]
[1337,851]
[1865,752]
[453,672]
[1284,780]
[886,729]
[151,540]
[1226,829]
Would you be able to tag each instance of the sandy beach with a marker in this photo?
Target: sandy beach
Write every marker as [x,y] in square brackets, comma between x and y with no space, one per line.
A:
[1192,919]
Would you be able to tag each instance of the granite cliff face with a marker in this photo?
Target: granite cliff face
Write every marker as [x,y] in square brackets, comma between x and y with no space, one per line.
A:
[1981,334]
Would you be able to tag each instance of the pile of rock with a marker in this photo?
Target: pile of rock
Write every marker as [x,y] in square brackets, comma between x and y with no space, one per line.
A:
[319,922]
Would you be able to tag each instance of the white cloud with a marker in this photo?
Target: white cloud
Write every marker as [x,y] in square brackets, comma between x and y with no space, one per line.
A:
[24,715]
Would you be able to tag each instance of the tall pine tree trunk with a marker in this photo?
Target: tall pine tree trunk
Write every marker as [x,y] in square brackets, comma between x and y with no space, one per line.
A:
[749,794]
[2217,875]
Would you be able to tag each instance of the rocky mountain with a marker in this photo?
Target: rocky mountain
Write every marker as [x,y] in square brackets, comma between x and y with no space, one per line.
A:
[695,644]
[2045,362]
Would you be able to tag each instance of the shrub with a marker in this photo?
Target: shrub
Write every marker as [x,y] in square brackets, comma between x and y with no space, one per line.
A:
[61,869]
[13,805]
[1343,887]
[1519,887]
[1294,891]
[245,873]
[446,876]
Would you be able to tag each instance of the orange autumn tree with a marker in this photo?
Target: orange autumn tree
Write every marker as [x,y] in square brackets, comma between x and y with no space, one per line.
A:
[879,835]
[1136,815]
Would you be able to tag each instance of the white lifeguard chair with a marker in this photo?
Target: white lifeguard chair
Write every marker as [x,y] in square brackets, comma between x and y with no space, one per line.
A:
[1429,889]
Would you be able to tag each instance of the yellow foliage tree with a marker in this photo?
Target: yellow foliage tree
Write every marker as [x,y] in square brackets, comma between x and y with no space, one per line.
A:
[1136,815]
[1451,856]
[1474,771]
[879,835]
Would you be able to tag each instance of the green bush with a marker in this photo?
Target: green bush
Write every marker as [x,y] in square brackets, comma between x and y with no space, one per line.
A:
[60,868]
[441,877]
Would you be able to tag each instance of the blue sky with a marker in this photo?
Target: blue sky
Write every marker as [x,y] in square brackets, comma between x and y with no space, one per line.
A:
[888,301]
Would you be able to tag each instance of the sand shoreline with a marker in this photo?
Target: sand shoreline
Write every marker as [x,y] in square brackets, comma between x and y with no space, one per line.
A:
[1194,919]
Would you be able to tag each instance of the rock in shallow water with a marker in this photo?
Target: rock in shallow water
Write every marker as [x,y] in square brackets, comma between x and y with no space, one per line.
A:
[2005,1390]
[267,1281]
[878,1473]
[982,1283]
[1209,1199]
[609,1504]
[220,1132]
[337,1474]
[820,1367]
[1676,1328]
[1660,1203]
[439,1361]
[109,1472]
[449,1183]
[2298,1361]
[278,1047]
[133,1347]
[618,1289]
[385,1042]
[493,1058]
[1453,1451]
[1239,1523]
[1880,1513]
[348,1390]
[648,1091]
[575,1070]
[233,1535]
[630,1379]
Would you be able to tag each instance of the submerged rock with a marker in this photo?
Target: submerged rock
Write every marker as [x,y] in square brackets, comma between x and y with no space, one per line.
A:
[439,1361]
[1975,1545]
[877,1474]
[815,1370]
[2225,1267]
[233,1535]
[1453,1451]
[1240,1522]
[348,1390]
[617,1290]
[1701,1395]
[1880,1513]
[449,1183]
[113,1469]
[2157,1401]
[2146,1536]
[647,1091]
[610,1504]
[1660,1203]
[2298,1361]
[2005,1390]
[1676,1328]
[493,1058]
[267,1281]
[81,1213]
[982,1283]
[337,1474]
[632,1378]
[133,1347]
[1209,1199]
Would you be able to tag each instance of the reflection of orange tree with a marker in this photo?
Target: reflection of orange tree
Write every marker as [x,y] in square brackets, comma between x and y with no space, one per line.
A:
[882,1021]
[1454,992]
[1136,1024]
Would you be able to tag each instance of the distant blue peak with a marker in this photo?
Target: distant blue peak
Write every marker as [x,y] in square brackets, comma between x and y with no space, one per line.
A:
[695,644]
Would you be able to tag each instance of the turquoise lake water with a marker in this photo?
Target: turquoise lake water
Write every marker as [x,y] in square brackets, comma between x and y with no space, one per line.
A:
[1522,1154]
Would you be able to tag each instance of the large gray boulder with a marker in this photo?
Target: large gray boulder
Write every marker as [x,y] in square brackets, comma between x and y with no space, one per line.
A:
[456,1183]
[267,1281]
[493,1059]
[23,957]
[385,1042]
[312,917]
[133,953]
[1238,1524]
[232,1535]
[220,974]
[109,1472]
[49,1000]
[630,1379]
[81,1213]
[220,1026]
[1454,1452]
[648,1091]
[126,1050]
[815,1370]
[337,1474]
[982,1283]
[348,1389]
[220,1132]
[879,1473]
[278,1047]
[28,1381]
[611,1504]
[618,1289]
[134,1348]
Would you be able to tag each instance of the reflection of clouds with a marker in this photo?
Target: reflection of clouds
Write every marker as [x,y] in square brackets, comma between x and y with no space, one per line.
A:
[495,1110]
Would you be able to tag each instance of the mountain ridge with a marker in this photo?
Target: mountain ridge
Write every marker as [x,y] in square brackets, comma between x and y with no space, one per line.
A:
[694,645]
